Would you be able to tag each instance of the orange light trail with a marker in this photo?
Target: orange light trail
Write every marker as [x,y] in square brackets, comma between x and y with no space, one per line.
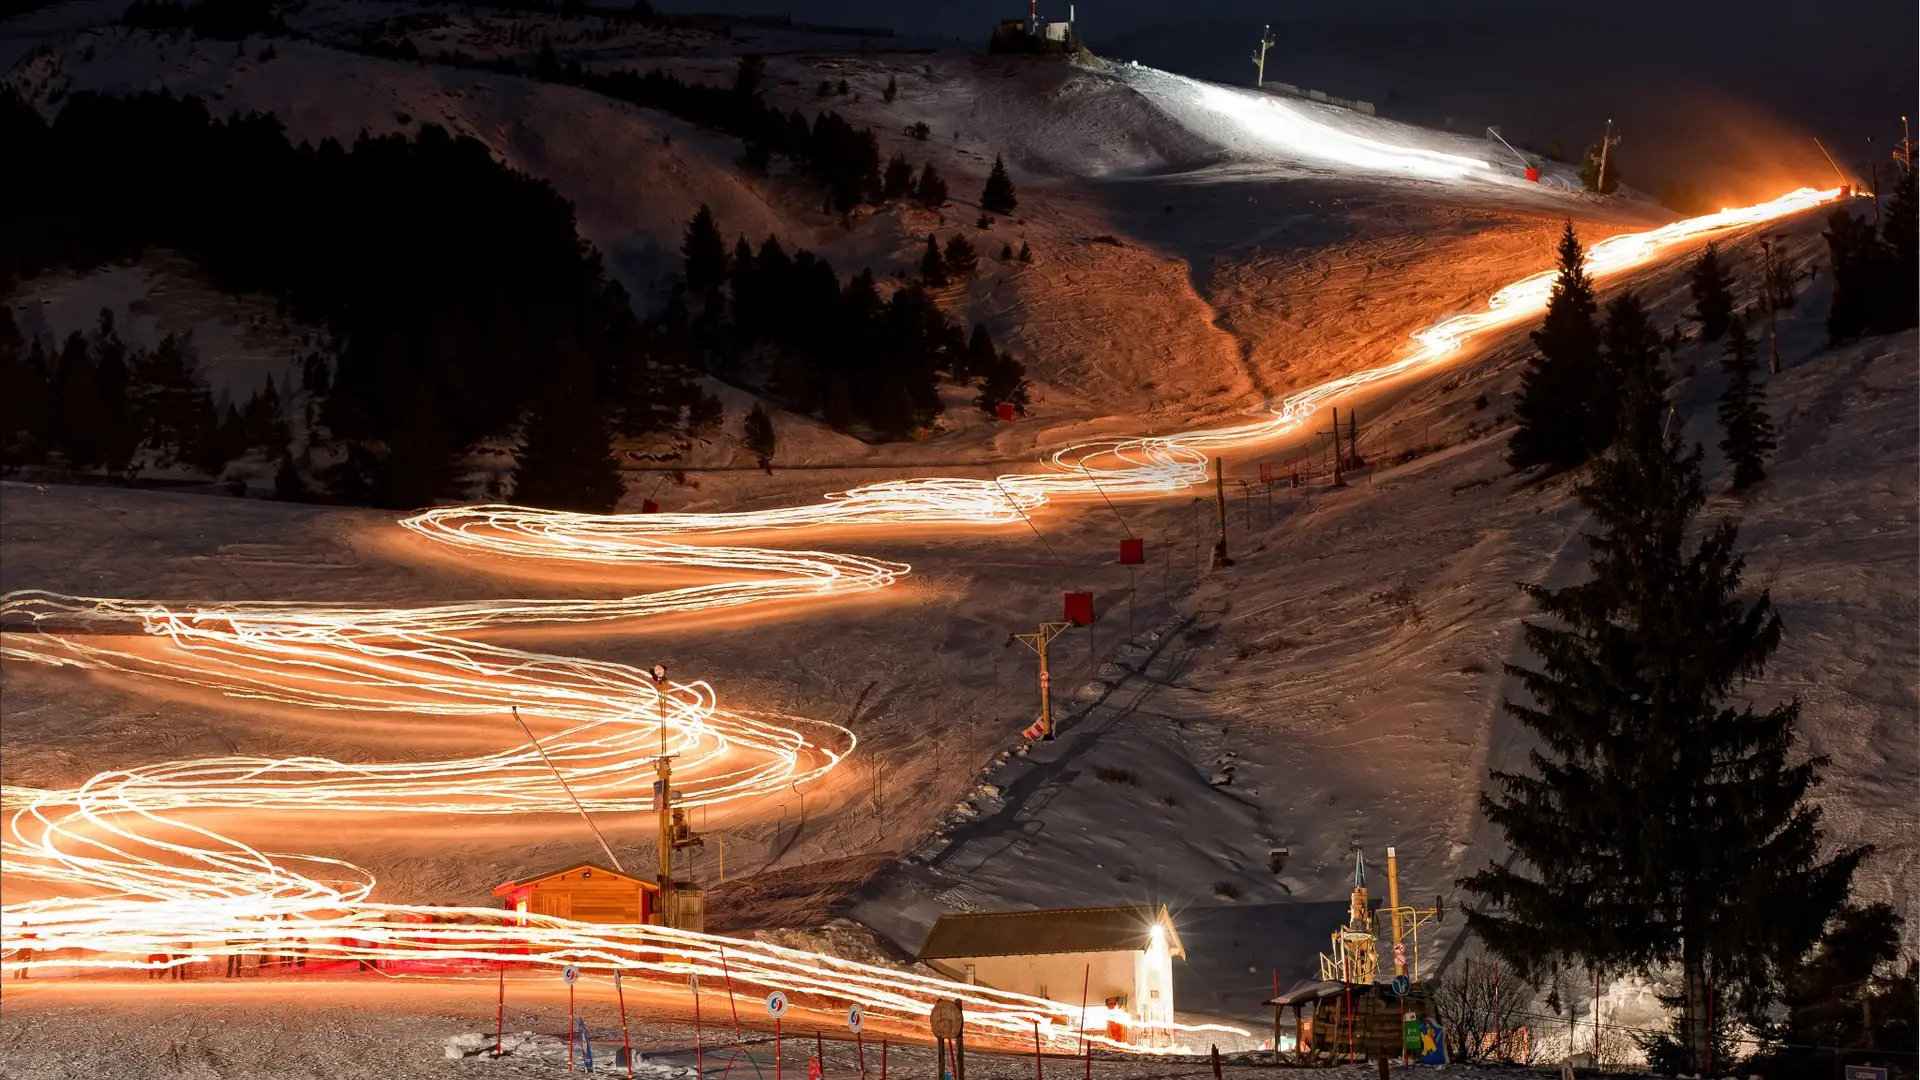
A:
[149,883]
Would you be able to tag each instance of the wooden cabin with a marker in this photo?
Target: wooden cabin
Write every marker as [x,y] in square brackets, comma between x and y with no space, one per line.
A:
[586,892]
[1373,1028]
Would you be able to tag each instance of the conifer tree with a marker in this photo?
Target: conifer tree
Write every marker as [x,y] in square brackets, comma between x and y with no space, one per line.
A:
[1006,252]
[1630,348]
[1853,990]
[759,436]
[740,282]
[120,438]
[1856,275]
[838,410]
[979,356]
[1712,289]
[1656,814]
[933,268]
[931,191]
[566,457]
[1554,405]
[706,254]
[1006,380]
[898,181]
[961,258]
[23,395]
[892,91]
[998,197]
[1900,225]
[1026,253]
[77,418]
[287,485]
[1743,411]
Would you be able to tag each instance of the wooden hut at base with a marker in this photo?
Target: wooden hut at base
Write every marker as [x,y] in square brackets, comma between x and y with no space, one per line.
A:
[587,892]
[1362,1019]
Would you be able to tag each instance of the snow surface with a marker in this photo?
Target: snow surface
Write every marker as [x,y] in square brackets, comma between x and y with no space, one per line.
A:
[1347,668]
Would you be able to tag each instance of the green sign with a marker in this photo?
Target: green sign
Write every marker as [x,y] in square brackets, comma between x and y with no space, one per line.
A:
[1410,1032]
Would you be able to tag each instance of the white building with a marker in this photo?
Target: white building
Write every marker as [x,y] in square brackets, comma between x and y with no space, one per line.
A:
[1121,956]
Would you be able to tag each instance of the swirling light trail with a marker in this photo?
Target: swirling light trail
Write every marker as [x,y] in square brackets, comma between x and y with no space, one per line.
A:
[149,884]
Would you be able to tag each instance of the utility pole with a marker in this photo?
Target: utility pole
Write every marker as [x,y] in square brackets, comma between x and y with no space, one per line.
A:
[663,799]
[1042,728]
[1606,143]
[1337,482]
[1873,178]
[1766,294]
[1260,58]
[1220,514]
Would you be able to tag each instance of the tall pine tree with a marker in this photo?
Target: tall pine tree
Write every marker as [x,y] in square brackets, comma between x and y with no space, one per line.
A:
[1857,275]
[1743,411]
[1900,225]
[566,457]
[1556,393]
[998,197]
[931,191]
[1657,824]
[706,254]
[1712,289]
[759,436]
[933,266]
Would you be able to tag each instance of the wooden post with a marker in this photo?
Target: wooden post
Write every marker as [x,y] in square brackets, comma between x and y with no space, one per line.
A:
[1336,449]
[699,1050]
[626,1042]
[1220,508]
[500,1014]
[728,975]
[1037,1074]
[1276,1016]
[1086,981]
[569,1027]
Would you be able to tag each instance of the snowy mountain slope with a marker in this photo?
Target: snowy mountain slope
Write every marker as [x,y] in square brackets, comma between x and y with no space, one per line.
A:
[1348,664]
[1346,667]
[1118,310]
[1347,670]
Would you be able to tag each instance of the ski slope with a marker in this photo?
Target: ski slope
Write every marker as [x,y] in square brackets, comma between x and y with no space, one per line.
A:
[172,885]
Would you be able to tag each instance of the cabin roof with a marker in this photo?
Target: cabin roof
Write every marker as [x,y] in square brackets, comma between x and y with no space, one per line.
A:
[535,879]
[1050,930]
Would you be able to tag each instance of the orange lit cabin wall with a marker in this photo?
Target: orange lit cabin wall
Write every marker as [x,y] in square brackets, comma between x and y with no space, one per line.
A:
[587,896]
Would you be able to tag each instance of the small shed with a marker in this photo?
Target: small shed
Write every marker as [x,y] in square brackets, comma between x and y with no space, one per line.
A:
[1357,1019]
[1121,957]
[587,892]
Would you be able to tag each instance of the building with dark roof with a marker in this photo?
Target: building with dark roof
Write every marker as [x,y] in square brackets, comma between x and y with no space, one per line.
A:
[1120,957]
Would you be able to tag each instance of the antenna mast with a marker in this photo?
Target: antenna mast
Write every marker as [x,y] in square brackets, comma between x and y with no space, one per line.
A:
[1260,58]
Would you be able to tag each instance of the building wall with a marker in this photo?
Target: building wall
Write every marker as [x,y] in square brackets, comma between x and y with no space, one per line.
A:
[596,897]
[1056,976]
[1143,978]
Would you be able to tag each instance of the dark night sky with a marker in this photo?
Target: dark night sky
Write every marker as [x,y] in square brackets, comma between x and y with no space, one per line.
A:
[1707,90]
